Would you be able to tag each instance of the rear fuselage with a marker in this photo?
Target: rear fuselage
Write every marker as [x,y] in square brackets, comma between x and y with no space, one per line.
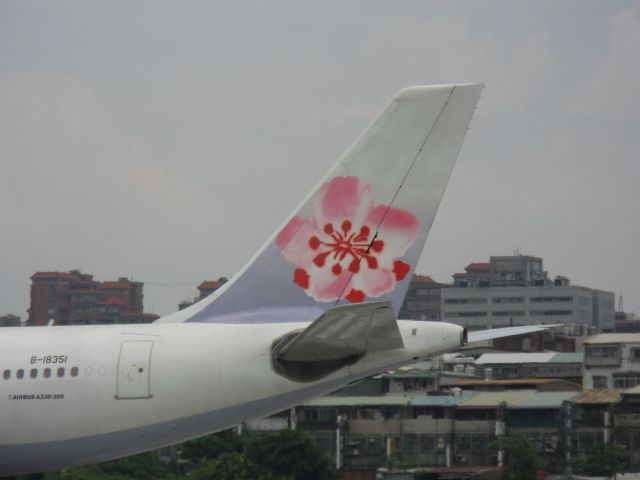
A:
[108,391]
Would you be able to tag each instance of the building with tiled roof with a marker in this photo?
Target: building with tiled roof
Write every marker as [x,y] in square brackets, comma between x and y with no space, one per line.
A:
[205,289]
[75,298]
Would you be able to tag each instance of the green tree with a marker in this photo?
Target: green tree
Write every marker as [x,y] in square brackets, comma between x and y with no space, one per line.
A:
[520,460]
[605,460]
[394,460]
[230,466]
[211,446]
[289,454]
[146,466]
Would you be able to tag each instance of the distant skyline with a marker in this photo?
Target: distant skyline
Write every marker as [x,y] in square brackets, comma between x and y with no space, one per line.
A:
[165,141]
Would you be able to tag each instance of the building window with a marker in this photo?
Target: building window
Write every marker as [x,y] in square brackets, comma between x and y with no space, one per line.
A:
[410,445]
[600,381]
[375,445]
[465,314]
[609,352]
[601,355]
[626,379]
[551,299]
[512,313]
[427,443]
[635,355]
[554,313]
[463,443]
[508,300]
[324,441]
[465,300]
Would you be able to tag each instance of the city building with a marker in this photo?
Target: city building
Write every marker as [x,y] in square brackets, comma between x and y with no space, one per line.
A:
[75,298]
[612,361]
[423,299]
[9,320]
[457,429]
[451,430]
[515,290]
[205,289]
[627,323]
[566,366]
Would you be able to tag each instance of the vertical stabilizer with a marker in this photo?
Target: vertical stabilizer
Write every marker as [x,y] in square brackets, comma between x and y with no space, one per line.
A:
[359,234]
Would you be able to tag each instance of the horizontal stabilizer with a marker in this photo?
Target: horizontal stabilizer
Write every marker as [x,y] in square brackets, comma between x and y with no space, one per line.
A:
[480,335]
[339,337]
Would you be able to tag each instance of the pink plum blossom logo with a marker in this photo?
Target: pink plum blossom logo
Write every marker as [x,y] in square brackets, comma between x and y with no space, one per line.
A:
[337,250]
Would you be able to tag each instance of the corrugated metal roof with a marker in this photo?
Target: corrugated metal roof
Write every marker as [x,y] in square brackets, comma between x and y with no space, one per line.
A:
[337,401]
[544,400]
[613,338]
[605,395]
[513,381]
[568,357]
[516,357]
[633,391]
[414,373]
[493,399]
[442,400]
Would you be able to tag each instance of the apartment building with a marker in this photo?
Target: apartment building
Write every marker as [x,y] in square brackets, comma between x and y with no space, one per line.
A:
[75,298]
[612,361]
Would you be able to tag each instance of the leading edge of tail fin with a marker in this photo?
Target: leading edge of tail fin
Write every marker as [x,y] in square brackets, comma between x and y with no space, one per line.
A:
[359,234]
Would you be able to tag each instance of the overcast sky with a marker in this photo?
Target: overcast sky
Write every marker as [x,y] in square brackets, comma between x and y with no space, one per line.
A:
[165,141]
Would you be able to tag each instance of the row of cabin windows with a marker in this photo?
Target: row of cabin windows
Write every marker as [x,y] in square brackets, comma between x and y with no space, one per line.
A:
[46,373]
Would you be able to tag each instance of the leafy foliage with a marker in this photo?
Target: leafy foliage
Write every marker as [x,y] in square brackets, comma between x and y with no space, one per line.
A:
[147,466]
[289,454]
[286,455]
[604,460]
[520,460]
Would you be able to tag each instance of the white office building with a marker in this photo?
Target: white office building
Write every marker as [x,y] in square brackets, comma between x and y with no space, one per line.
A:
[515,290]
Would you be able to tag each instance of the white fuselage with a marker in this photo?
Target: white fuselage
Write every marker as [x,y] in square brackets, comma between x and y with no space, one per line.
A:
[116,390]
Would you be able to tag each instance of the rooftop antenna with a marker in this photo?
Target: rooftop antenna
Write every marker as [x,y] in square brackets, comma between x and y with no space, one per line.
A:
[620,304]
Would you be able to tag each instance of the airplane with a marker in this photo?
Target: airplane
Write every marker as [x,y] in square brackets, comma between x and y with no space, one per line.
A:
[314,310]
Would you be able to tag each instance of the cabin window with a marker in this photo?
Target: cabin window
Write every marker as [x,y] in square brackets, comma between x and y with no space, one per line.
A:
[74,372]
[47,372]
[20,373]
[6,374]
[33,373]
[61,372]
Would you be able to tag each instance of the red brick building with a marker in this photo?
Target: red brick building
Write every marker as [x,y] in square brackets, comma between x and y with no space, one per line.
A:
[75,298]
[206,288]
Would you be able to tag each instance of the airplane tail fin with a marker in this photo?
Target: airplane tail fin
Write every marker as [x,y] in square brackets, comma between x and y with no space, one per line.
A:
[359,234]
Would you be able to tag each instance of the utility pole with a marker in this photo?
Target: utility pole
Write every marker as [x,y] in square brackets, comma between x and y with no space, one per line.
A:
[567,410]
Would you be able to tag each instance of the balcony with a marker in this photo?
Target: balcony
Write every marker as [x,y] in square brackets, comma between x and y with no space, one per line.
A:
[626,420]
